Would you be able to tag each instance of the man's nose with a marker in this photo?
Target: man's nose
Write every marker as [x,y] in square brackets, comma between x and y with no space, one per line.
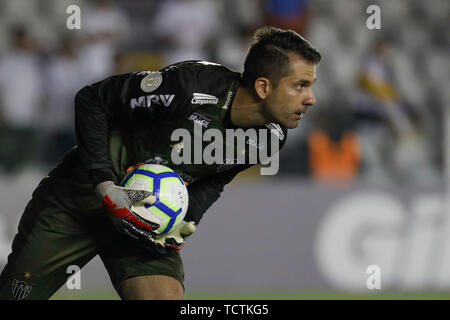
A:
[310,100]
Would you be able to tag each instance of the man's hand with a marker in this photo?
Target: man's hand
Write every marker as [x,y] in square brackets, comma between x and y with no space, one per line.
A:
[118,201]
[175,239]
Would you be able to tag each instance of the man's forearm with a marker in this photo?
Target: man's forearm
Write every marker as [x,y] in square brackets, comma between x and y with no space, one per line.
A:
[92,128]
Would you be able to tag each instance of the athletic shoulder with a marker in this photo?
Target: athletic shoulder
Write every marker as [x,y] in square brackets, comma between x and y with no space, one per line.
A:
[199,67]
[203,76]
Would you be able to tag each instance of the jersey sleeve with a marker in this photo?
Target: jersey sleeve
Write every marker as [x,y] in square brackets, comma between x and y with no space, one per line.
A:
[203,193]
[120,101]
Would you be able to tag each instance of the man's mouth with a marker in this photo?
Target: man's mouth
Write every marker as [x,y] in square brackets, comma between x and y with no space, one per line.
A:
[299,115]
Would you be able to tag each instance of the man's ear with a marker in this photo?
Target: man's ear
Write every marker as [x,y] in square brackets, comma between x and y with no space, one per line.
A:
[263,87]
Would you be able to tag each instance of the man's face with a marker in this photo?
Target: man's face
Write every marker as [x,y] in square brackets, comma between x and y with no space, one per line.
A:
[291,98]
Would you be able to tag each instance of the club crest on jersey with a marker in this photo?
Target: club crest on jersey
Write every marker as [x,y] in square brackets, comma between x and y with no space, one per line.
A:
[151,81]
[20,289]
[203,98]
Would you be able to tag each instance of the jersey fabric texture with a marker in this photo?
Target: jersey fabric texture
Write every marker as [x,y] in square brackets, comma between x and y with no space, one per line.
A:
[120,122]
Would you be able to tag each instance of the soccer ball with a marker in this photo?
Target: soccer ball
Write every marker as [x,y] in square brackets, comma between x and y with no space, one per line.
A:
[171,195]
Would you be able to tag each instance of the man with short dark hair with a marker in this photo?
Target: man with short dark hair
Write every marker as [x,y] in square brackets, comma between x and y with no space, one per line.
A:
[128,119]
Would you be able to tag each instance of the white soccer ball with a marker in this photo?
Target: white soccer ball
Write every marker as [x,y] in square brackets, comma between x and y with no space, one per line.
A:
[172,197]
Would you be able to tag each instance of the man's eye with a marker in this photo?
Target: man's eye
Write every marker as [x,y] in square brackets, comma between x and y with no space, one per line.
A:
[300,86]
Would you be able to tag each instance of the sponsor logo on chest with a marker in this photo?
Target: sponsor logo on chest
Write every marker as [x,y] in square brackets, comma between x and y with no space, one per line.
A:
[148,100]
[203,98]
[200,119]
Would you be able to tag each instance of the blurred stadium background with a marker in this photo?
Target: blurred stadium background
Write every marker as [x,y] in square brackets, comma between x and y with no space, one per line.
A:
[363,181]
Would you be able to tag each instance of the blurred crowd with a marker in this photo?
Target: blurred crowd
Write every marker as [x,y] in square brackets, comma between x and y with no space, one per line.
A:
[381,93]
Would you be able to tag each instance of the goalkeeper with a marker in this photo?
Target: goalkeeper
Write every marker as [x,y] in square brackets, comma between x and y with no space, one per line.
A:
[78,211]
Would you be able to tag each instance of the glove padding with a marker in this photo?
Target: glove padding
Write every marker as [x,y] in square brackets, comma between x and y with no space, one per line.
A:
[175,239]
[118,201]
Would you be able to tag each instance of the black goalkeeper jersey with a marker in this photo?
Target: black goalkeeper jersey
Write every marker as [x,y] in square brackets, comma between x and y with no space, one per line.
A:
[130,118]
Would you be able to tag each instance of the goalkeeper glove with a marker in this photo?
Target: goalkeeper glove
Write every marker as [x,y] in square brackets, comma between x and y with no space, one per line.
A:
[118,201]
[175,239]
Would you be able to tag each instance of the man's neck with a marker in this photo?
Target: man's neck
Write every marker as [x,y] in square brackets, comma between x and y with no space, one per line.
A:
[246,110]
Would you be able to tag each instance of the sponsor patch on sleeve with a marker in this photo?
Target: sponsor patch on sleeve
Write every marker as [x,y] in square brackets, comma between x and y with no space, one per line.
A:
[151,81]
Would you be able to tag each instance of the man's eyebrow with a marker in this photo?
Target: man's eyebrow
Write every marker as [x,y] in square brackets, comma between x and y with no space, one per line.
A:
[307,81]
